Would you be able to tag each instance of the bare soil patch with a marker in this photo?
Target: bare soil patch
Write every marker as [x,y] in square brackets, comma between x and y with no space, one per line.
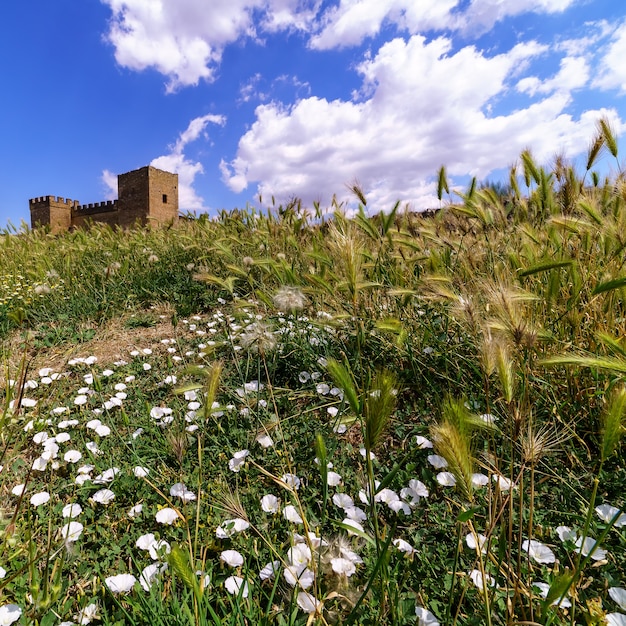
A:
[113,341]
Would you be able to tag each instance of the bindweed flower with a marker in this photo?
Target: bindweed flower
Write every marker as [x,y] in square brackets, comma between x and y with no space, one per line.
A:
[18,490]
[416,490]
[269,503]
[503,482]
[538,552]
[72,456]
[179,490]
[353,524]
[618,595]
[606,513]
[145,541]
[307,602]
[269,571]
[290,513]
[230,527]
[333,479]
[446,479]
[425,617]
[166,516]
[299,575]
[438,462]
[477,579]
[470,540]
[343,567]
[9,613]
[150,573]
[479,480]
[322,388]
[232,558]
[121,583]
[544,589]
[343,500]
[40,464]
[238,460]
[159,550]
[404,546]
[589,547]
[265,441]
[107,476]
[103,496]
[291,480]
[72,510]
[135,511]
[236,585]
[87,614]
[40,498]
[565,533]
[299,554]
[71,531]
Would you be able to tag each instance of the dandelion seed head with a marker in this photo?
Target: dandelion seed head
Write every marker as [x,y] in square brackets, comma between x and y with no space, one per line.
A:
[258,337]
[289,299]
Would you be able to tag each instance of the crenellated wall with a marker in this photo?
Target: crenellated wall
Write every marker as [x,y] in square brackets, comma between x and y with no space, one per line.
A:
[147,196]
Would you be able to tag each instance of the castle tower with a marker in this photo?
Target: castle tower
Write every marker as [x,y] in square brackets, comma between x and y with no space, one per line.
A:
[148,196]
[53,211]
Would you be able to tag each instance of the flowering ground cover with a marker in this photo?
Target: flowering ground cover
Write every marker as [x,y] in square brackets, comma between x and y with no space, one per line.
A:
[388,419]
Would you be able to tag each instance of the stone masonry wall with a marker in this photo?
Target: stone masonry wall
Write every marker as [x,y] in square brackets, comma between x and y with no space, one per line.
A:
[147,196]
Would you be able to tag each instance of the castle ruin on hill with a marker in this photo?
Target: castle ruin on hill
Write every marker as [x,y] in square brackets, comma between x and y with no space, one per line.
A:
[147,196]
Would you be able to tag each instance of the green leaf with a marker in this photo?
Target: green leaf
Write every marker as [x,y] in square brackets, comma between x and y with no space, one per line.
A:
[322,458]
[606,363]
[357,532]
[544,267]
[616,283]
[559,587]
[178,560]
[343,379]
[442,182]
[465,516]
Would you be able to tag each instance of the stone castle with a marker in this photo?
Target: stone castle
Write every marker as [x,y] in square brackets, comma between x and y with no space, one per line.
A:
[147,196]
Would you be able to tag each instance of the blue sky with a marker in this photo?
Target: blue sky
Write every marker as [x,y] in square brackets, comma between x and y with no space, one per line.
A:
[298,98]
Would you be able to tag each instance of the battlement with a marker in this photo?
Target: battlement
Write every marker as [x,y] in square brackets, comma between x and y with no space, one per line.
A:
[95,207]
[54,199]
[147,196]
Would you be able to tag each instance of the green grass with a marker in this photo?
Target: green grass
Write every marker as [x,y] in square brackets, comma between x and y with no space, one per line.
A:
[493,331]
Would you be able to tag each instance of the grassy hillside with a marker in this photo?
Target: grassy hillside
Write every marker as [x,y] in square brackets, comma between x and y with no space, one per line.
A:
[287,418]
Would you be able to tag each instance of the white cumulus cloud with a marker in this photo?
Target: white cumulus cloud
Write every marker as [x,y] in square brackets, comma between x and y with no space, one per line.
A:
[612,69]
[423,105]
[184,39]
[350,21]
[176,161]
